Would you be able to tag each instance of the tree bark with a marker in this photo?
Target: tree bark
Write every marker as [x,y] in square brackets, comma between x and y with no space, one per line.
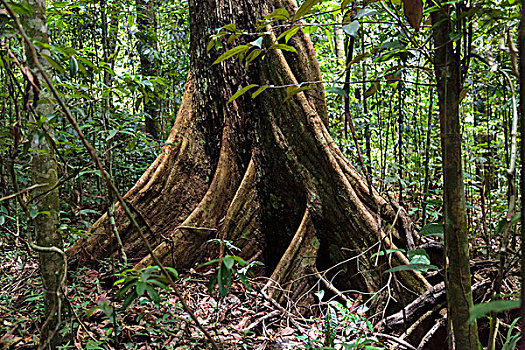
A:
[261,172]
[521,46]
[447,65]
[44,172]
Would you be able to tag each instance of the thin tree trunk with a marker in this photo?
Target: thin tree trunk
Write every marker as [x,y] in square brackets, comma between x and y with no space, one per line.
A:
[457,267]
[149,65]
[427,156]
[44,171]
[340,45]
[521,45]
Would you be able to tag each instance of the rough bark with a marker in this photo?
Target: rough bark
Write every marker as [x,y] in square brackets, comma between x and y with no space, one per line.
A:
[262,172]
[447,64]
[44,172]
[521,45]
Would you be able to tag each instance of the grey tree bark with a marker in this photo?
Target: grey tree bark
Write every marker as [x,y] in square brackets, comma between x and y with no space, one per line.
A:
[447,64]
[44,172]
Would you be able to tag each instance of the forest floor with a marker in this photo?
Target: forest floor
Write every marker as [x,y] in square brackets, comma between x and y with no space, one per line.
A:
[244,319]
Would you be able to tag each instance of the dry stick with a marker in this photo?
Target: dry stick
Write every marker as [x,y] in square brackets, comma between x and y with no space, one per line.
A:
[258,321]
[105,176]
[395,340]
[23,191]
[330,286]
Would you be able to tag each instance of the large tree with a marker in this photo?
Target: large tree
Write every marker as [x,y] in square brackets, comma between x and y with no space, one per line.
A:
[261,172]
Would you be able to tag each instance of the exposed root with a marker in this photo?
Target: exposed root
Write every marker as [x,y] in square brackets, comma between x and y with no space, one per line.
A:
[294,270]
[186,247]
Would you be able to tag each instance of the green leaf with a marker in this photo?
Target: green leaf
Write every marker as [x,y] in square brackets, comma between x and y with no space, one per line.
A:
[111,134]
[211,45]
[140,287]
[283,47]
[53,63]
[232,52]
[371,90]
[131,296]
[336,90]
[413,267]
[416,252]
[345,3]
[73,67]
[420,259]
[119,281]
[481,310]
[2,219]
[158,283]
[366,12]
[124,289]
[352,28]
[259,91]
[304,9]
[278,14]
[153,294]
[228,262]
[224,280]
[33,212]
[21,8]
[244,281]
[241,92]
[211,262]
[288,34]
[230,27]
[173,271]
[239,260]
[253,55]
[294,90]
[433,229]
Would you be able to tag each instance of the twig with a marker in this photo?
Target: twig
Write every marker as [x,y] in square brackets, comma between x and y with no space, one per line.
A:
[258,321]
[395,340]
[22,191]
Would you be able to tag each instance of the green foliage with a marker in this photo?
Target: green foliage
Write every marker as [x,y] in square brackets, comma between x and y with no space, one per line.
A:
[482,310]
[510,341]
[144,282]
[229,266]
[342,328]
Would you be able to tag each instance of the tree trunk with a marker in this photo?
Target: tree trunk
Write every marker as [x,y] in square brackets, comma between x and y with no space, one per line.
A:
[44,172]
[447,64]
[521,46]
[149,64]
[261,172]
